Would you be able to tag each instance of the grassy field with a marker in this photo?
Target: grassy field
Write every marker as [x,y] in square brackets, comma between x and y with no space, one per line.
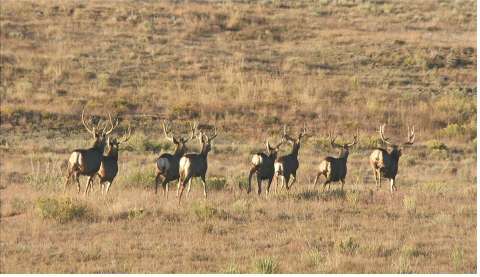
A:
[246,67]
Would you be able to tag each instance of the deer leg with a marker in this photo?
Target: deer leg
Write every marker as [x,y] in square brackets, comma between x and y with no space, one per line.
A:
[259,185]
[316,178]
[286,179]
[325,185]
[87,187]
[269,183]
[204,187]
[392,185]
[165,188]
[181,186]
[157,179]
[189,187]
[379,178]
[276,183]
[108,187]
[252,171]
[343,183]
[69,175]
[78,182]
[294,176]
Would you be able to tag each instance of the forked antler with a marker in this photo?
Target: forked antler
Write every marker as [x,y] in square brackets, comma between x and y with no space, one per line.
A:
[381,130]
[126,136]
[166,130]
[332,139]
[113,126]
[193,128]
[91,130]
[355,140]
[303,132]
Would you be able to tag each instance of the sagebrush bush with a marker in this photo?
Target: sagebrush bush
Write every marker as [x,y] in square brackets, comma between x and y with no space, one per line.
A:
[216,183]
[203,211]
[436,145]
[62,209]
[348,246]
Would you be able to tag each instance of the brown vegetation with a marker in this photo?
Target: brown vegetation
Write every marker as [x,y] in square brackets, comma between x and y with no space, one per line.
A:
[353,64]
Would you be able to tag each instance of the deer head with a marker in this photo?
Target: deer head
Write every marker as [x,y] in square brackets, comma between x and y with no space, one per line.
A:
[344,148]
[292,140]
[396,149]
[177,140]
[206,140]
[99,134]
[272,151]
[114,143]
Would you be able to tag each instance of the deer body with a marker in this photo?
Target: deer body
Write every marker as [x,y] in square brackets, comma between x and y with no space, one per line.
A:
[263,167]
[195,165]
[384,162]
[87,162]
[287,166]
[167,165]
[109,166]
[335,169]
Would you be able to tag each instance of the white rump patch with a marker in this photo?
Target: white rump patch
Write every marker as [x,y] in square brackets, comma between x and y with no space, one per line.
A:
[278,169]
[257,160]
[163,164]
[75,159]
[184,165]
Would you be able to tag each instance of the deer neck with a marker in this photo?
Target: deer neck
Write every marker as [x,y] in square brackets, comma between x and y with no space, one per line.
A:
[99,146]
[204,151]
[113,153]
[343,154]
[295,149]
[179,150]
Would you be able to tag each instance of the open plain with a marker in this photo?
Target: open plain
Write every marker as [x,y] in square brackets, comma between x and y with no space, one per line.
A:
[248,68]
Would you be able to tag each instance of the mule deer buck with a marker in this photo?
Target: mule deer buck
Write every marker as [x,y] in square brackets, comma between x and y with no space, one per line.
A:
[109,166]
[195,165]
[286,166]
[87,161]
[335,169]
[263,166]
[385,162]
[167,165]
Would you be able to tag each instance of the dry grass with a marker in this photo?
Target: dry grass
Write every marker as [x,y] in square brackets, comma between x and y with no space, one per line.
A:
[247,67]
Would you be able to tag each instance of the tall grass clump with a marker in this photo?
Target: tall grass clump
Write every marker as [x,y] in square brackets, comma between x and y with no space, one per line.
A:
[266,265]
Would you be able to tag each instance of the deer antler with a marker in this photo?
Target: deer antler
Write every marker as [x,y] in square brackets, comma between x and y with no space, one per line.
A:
[303,132]
[91,131]
[113,126]
[193,128]
[332,140]
[381,130]
[166,130]
[126,136]
[355,140]
[411,136]
[214,134]
[285,136]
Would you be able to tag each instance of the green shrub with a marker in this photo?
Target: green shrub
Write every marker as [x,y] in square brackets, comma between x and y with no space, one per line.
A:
[241,206]
[140,178]
[203,211]
[216,183]
[266,265]
[62,210]
[19,206]
[457,258]
[453,131]
[436,145]
[348,246]
[135,213]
